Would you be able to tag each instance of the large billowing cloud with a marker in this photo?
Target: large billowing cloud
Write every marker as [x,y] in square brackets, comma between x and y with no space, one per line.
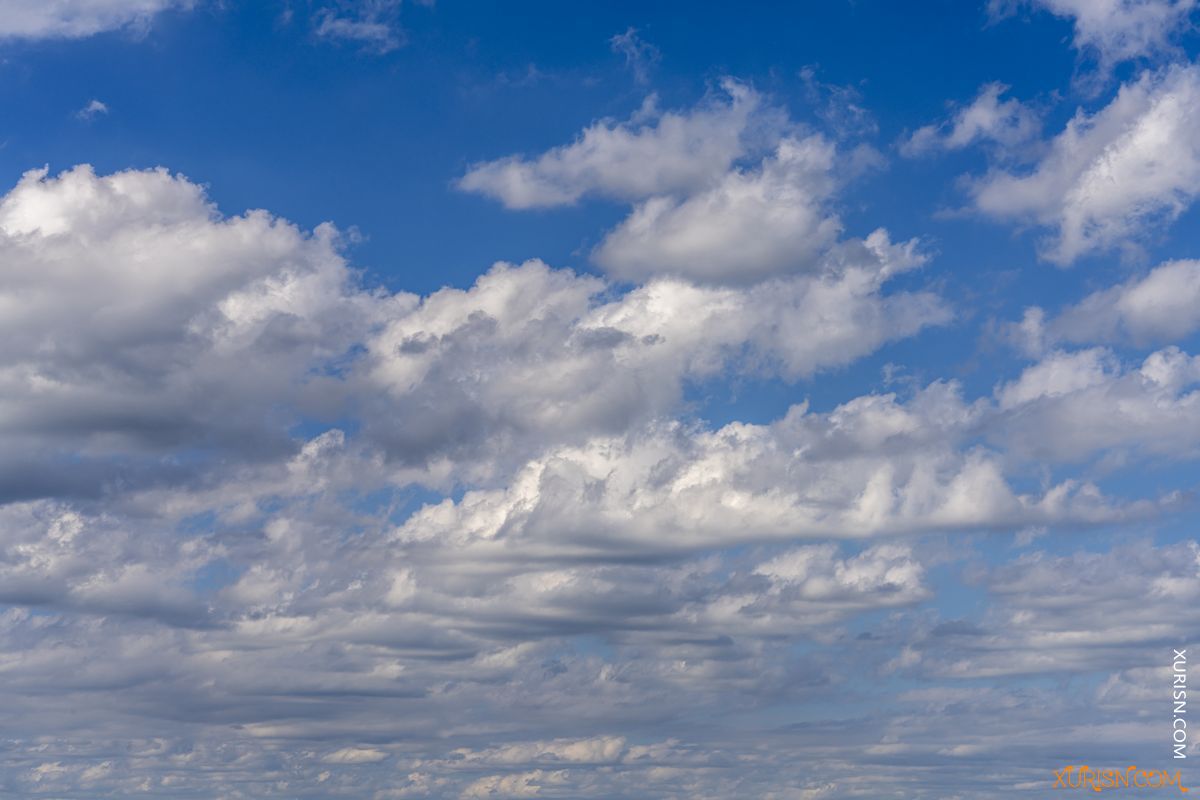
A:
[1111,178]
[140,322]
[130,305]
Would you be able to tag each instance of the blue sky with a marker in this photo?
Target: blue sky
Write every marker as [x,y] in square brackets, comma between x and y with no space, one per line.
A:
[629,400]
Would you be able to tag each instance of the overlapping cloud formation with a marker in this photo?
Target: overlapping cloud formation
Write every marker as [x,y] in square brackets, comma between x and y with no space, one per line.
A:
[267,530]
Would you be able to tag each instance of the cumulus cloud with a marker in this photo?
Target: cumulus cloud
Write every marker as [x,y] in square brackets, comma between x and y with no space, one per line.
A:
[1005,123]
[727,193]
[750,225]
[169,300]
[77,19]
[457,370]
[654,152]
[1109,177]
[127,299]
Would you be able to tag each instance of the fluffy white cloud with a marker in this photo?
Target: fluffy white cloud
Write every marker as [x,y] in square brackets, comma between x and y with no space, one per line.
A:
[682,490]
[728,193]
[652,153]
[530,356]
[1111,176]
[749,225]
[128,305]
[1008,124]
[76,19]
[138,320]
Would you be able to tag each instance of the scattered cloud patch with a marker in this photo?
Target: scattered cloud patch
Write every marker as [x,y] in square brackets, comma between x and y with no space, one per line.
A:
[1111,178]
[93,109]
[1006,124]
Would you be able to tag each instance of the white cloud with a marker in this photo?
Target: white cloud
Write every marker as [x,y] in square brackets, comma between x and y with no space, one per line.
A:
[751,224]
[654,152]
[127,298]
[728,193]
[76,19]
[1110,177]
[458,369]
[1007,124]
[93,109]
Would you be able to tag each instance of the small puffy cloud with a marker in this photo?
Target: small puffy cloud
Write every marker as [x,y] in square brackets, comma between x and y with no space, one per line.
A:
[77,19]
[749,225]
[1112,176]
[93,109]
[1112,31]
[1005,123]
[654,152]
